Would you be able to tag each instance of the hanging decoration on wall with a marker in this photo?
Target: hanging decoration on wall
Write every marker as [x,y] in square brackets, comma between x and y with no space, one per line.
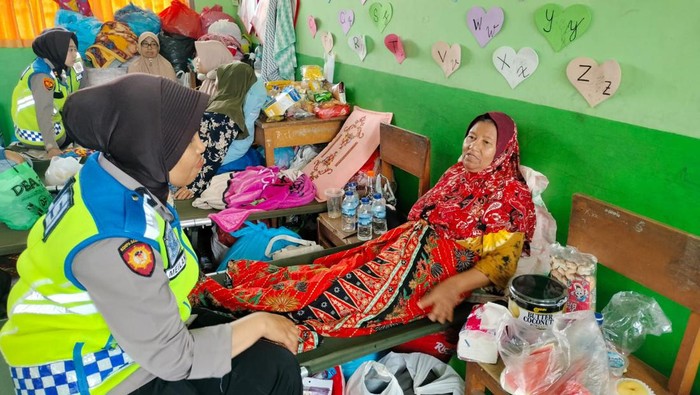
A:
[381,14]
[449,58]
[595,83]
[346,19]
[363,2]
[327,41]
[395,46]
[358,44]
[485,25]
[562,26]
[515,67]
[311,22]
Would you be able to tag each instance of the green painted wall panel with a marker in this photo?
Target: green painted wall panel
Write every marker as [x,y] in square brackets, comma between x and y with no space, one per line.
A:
[647,171]
[653,41]
[14,60]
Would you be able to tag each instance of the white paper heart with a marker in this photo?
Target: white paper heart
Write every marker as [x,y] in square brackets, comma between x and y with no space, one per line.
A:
[358,44]
[515,67]
[447,57]
[595,83]
[327,41]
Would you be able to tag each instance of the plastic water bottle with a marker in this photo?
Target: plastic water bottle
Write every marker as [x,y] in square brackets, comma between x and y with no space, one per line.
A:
[378,214]
[347,211]
[370,185]
[257,64]
[364,220]
[352,186]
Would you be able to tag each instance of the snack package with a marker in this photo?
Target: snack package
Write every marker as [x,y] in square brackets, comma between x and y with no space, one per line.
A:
[311,73]
[282,102]
[274,88]
[576,270]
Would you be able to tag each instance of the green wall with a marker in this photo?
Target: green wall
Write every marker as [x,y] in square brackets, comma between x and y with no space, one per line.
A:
[15,60]
[637,150]
[654,44]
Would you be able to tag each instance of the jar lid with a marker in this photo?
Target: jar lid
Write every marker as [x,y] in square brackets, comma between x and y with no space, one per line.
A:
[539,290]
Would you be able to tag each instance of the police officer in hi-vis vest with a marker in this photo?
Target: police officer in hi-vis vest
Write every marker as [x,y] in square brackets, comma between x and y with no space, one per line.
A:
[101,304]
[43,87]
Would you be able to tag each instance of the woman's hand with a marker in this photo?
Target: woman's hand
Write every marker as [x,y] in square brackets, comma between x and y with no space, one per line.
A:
[183,194]
[281,330]
[273,327]
[54,152]
[444,297]
[441,301]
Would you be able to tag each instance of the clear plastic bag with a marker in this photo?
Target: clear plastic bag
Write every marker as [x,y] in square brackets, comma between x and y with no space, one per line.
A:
[61,169]
[545,228]
[576,270]
[629,317]
[570,357]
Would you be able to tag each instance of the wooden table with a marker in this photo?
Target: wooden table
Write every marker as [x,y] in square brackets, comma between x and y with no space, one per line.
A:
[289,133]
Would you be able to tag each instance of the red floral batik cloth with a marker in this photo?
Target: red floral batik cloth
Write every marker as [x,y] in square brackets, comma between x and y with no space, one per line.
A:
[351,293]
[482,220]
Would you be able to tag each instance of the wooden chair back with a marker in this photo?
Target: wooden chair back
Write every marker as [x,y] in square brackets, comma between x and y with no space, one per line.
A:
[407,151]
[661,258]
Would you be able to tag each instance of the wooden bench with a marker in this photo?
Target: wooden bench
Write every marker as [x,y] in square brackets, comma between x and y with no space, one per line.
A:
[336,351]
[661,258]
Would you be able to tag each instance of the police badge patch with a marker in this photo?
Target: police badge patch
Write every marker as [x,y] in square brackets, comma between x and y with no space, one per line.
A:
[138,256]
[49,84]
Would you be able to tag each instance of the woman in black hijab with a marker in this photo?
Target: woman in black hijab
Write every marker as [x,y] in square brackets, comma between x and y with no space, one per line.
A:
[117,269]
[43,88]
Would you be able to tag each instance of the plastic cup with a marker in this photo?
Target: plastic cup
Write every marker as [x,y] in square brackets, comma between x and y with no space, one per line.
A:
[333,199]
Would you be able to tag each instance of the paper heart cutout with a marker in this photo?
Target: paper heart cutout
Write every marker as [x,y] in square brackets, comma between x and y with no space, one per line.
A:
[346,19]
[485,25]
[395,46]
[515,67]
[311,22]
[562,26]
[358,44]
[363,2]
[327,41]
[595,83]
[447,57]
[381,14]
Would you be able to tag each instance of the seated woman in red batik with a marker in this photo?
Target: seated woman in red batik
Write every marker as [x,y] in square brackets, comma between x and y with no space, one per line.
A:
[467,232]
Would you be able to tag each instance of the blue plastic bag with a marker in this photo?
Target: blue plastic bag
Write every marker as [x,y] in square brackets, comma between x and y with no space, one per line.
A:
[84,27]
[138,19]
[253,240]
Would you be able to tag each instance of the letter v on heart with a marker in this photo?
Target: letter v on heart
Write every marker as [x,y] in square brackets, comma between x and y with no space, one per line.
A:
[449,58]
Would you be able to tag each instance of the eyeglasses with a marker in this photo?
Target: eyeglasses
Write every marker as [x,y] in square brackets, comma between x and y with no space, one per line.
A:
[149,45]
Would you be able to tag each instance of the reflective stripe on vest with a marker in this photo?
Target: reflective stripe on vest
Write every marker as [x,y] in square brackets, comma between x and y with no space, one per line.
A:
[63,378]
[50,313]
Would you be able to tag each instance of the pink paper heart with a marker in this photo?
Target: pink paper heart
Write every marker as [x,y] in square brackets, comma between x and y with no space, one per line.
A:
[312,25]
[485,25]
[395,46]
[447,57]
[595,83]
[346,19]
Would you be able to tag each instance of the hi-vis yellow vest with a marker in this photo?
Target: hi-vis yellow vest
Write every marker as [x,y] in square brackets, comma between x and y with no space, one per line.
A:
[24,111]
[54,332]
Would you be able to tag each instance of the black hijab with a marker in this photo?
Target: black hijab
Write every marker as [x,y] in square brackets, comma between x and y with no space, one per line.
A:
[142,123]
[52,44]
